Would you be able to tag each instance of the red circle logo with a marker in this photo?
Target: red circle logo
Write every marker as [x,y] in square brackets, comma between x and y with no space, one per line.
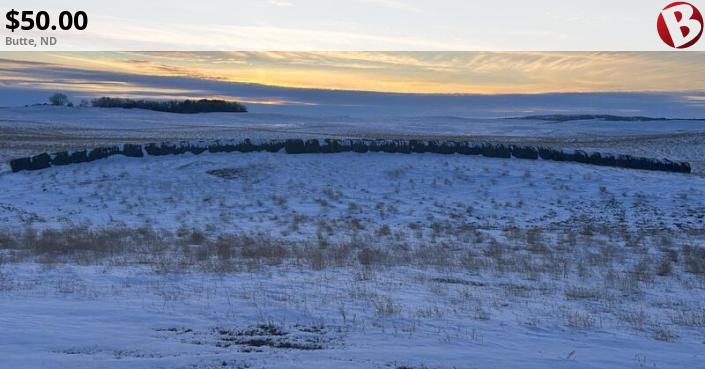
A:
[680,25]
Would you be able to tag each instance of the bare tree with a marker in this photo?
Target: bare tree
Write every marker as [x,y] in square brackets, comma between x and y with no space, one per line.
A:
[58,99]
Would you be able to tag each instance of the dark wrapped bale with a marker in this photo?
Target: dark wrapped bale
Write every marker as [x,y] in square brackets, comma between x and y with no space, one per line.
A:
[532,152]
[673,166]
[559,155]
[180,148]
[504,151]
[389,146]
[328,146]
[595,159]
[77,157]
[294,146]
[581,156]
[654,164]
[623,161]
[20,164]
[433,147]
[345,146]
[312,146]
[215,148]
[61,158]
[336,145]
[176,149]
[569,155]
[668,166]
[195,149]
[661,165]
[273,146]
[245,146]
[619,161]
[647,164]
[332,146]
[416,146]
[496,151]
[230,148]
[279,146]
[166,149]
[488,150]
[102,153]
[447,148]
[608,160]
[132,150]
[172,149]
[163,149]
[153,149]
[403,147]
[548,153]
[469,148]
[40,161]
[224,147]
[545,153]
[475,149]
[524,152]
[632,162]
[638,163]
[374,145]
[359,146]
[255,146]
[683,167]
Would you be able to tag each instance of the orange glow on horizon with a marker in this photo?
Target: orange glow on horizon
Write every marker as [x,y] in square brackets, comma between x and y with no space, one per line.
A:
[404,72]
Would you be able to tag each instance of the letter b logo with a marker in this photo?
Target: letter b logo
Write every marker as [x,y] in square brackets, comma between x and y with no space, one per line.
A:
[680,25]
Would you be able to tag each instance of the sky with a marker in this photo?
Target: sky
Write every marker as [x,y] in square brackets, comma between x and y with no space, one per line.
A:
[345,80]
[403,72]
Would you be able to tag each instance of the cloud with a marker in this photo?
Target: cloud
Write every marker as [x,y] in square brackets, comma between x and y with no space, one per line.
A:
[395,4]
[407,72]
[32,80]
[280,3]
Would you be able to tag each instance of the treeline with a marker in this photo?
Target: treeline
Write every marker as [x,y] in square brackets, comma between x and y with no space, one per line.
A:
[298,146]
[172,106]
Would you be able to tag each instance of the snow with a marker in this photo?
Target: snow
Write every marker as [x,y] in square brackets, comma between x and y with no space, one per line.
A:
[117,314]
[135,319]
[132,318]
[135,121]
[168,192]
[32,130]
[464,287]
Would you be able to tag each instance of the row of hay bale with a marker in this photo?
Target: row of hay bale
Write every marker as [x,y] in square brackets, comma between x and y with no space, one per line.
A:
[46,160]
[314,146]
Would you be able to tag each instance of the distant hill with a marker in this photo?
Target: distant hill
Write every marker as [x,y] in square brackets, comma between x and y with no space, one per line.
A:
[172,106]
[604,117]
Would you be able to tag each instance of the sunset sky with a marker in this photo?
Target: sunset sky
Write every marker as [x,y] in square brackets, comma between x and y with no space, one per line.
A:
[404,72]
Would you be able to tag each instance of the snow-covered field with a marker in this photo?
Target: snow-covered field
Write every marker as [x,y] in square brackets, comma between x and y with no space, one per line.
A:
[266,192]
[268,260]
[28,131]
